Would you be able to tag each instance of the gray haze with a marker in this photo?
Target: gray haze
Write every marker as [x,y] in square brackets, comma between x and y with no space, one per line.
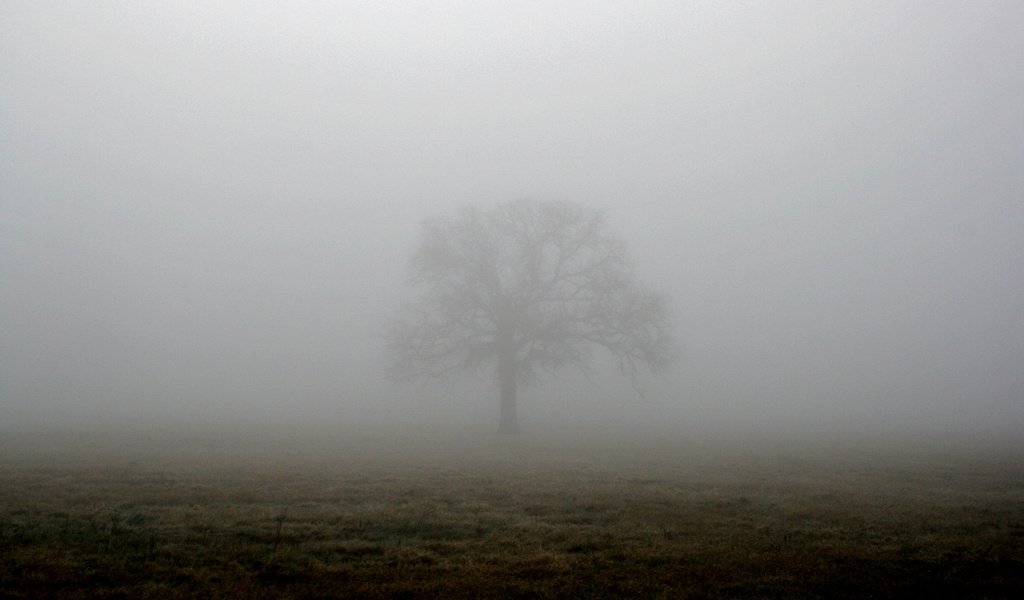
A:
[206,212]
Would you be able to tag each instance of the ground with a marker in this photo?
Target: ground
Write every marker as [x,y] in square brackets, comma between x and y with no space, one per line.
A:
[402,514]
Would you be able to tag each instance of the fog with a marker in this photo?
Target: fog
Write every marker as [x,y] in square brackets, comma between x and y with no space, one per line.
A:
[207,212]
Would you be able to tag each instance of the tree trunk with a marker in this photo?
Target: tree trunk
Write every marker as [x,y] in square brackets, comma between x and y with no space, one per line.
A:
[507,382]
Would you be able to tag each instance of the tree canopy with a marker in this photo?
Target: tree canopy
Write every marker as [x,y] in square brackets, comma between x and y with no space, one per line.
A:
[525,286]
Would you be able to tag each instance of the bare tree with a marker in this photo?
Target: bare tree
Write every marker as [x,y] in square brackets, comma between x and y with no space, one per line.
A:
[525,287]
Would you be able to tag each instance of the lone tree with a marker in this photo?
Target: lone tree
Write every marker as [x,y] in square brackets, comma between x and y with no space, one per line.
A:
[524,287]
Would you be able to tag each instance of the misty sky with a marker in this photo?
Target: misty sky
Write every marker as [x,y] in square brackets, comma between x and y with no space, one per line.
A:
[206,211]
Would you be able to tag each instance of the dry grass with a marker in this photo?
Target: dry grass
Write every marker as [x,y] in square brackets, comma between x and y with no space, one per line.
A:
[358,516]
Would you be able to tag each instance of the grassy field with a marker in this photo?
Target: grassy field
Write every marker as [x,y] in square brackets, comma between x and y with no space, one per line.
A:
[466,516]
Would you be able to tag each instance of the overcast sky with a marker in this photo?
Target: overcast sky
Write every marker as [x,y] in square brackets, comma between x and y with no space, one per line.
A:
[206,209]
